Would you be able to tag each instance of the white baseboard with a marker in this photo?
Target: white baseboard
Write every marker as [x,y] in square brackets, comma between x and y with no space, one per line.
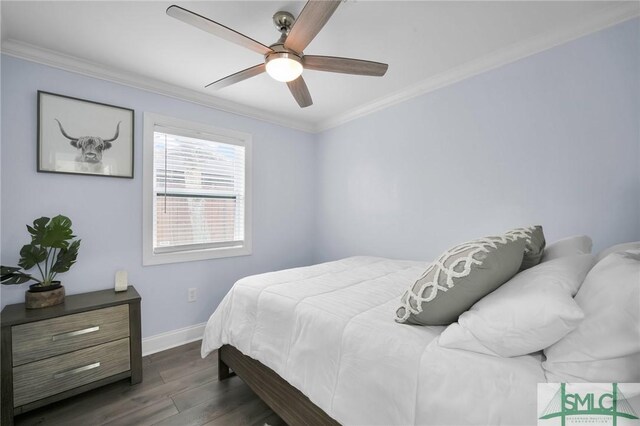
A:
[171,339]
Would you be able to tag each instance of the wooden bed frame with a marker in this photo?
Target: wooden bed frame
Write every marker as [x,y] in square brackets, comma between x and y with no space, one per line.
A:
[285,400]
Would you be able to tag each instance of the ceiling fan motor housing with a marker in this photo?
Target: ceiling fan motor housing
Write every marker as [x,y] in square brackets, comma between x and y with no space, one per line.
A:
[281,63]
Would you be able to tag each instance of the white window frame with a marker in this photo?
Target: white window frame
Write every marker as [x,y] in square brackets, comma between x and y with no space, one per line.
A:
[194,130]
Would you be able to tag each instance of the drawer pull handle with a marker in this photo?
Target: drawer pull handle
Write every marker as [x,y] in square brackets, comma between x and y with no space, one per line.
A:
[62,374]
[63,336]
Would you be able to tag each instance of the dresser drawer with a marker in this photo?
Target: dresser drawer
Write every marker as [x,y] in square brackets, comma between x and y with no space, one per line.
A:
[56,336]
[50,376]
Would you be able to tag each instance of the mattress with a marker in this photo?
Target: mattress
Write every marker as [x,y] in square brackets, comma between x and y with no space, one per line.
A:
[329,330]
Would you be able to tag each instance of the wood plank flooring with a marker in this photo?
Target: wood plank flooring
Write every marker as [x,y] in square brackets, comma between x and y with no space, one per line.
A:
[178,389]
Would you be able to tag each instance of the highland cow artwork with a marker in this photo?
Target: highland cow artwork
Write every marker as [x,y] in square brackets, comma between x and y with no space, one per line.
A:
[78,136]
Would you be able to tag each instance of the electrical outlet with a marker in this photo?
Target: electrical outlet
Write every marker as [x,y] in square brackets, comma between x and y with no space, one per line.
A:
[191,296]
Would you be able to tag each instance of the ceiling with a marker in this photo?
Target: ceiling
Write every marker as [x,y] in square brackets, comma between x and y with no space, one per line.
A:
[427,44]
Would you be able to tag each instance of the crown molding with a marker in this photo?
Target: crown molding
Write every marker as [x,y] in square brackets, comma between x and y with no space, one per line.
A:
[615,14]
[77,65]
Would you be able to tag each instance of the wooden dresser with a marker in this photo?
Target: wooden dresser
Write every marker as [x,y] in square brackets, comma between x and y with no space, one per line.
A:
[53,353]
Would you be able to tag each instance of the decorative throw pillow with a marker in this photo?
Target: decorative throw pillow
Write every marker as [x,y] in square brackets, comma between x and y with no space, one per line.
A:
[534,244]
[528,313]
[570,246]
[459,278]
[606,345]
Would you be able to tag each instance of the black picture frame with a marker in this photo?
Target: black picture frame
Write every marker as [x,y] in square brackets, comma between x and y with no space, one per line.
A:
[78,136]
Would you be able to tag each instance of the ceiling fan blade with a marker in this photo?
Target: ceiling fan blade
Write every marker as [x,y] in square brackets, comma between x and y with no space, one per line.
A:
[313,17]
[344,65]
[237,77]
[216,29]
[300,92]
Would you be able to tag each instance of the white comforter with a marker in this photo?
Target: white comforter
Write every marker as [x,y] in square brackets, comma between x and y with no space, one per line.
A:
[329,331]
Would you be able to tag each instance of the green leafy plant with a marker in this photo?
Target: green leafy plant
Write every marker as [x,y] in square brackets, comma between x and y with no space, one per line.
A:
[52,249]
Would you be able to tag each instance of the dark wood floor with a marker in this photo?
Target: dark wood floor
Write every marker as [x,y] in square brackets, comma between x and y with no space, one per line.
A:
[179,388]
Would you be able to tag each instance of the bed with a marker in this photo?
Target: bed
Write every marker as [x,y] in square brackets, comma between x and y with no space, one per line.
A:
[331,343]
[320,346]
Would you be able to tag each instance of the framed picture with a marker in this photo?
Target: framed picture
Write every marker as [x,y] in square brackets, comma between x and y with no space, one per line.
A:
[77,136]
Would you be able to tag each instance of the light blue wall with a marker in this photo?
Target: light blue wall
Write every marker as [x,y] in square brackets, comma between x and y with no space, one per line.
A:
[107,212]
[552,139]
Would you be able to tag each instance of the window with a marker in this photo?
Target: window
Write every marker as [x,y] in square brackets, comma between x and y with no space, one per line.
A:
[197,191]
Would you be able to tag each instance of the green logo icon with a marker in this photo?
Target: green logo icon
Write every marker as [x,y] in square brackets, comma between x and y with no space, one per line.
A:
[613,405]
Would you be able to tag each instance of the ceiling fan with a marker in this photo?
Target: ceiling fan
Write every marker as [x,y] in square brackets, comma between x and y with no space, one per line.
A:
[284,60]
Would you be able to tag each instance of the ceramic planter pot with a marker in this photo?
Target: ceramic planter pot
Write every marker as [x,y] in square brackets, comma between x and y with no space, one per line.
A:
[42,297]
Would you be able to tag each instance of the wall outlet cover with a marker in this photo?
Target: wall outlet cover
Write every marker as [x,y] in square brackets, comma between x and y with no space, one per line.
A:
[192,295]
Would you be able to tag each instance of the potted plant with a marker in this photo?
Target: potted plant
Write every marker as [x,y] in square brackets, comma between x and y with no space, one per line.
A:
[53,250]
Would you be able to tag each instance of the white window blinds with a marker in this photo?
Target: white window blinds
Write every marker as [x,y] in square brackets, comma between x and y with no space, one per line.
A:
[199,191]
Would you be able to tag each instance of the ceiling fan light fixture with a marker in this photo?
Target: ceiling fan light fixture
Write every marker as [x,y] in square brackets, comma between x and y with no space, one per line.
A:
[283,66]
[284,60]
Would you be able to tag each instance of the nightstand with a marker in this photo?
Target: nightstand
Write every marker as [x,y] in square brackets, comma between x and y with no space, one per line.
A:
[49,354]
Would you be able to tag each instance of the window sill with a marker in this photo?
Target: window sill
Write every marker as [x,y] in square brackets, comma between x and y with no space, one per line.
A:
[149,258]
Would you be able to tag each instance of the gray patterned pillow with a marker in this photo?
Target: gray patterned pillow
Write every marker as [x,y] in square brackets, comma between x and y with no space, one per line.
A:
[534,244]
[459,278]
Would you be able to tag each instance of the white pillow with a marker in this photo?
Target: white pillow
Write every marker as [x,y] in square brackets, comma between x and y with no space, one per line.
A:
[528,313]
[618,247]
[570,246]
[606,345]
